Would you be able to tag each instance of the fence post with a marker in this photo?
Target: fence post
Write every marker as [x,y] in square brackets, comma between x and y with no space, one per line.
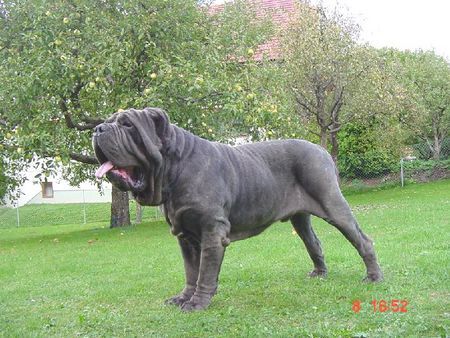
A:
[84,208]
[18,216]
[401,172]
[139,212]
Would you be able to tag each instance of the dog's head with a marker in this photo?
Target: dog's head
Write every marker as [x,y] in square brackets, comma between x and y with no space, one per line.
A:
[128,145]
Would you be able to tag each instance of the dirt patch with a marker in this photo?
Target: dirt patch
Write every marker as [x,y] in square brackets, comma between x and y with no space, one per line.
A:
[419,176]
[429,175]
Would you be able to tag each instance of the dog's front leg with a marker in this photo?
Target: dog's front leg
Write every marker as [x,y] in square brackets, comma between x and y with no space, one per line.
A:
[212,251]
[191,257]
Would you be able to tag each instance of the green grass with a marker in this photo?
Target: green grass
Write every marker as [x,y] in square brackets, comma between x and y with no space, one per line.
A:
[76,280]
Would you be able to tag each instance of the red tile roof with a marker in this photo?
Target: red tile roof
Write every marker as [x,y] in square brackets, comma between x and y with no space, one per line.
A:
[279,12]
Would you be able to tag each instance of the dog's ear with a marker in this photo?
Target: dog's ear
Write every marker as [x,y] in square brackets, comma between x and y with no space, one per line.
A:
[112,118]
[160,120]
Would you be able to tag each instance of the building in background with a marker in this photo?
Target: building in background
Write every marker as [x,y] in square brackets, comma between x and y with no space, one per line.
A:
[63,191]
[279,12]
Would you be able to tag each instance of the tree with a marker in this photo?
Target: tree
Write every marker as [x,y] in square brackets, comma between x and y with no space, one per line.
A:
[333,80]
[10,169]
[65,66]
[427,78]
[3,180]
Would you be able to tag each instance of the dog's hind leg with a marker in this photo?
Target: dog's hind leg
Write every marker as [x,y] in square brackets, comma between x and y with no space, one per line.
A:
[337,212]
[302,225]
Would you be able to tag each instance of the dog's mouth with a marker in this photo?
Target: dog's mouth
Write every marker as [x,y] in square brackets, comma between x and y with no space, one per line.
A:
[127,173]
[125,178]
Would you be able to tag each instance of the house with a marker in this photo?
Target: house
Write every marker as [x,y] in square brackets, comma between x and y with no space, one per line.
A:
[63,191]
[279,12]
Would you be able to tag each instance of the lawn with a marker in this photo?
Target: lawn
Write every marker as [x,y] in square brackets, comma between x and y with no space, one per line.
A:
[88,280]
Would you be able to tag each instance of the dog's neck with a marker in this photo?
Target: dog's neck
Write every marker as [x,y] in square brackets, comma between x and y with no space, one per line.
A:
[176,147]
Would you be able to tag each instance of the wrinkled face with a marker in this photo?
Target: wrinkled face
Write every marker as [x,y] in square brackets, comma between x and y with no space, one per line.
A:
[121,151]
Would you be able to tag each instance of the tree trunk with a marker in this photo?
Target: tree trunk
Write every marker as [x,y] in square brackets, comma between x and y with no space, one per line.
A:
[437,135]
[120,209]
[334,147]
[434,146]
[437,151]
[335,152]
[323,138]
[437,148]
[139,212]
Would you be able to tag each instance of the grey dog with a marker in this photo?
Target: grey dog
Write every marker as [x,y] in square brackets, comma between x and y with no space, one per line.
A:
[214,194]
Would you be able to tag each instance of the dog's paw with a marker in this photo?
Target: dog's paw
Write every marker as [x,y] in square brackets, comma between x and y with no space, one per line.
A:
[320,273]
[373,278]
[192,305]
[178,300]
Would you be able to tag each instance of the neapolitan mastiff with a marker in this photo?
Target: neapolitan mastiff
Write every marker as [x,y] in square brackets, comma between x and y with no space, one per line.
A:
[214,194]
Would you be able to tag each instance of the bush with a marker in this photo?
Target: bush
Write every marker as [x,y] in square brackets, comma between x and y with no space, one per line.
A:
[422,165]
[361,155]
[424,171]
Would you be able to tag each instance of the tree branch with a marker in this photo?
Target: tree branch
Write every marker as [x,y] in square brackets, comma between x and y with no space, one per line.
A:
[299,96]
[336,129]
[313,132]
[89,122]
[87,159]
[337,105]
[334,112]
[72,125]
[83,158]
[93,120]
[304,105]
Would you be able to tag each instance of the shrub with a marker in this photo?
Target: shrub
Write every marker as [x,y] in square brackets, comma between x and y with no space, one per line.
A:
[361,155]
[422,165]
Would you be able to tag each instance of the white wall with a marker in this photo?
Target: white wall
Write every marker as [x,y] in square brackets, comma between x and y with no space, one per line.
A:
[32,187]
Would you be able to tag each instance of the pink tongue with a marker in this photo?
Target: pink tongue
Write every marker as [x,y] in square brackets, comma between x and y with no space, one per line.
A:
[104,168]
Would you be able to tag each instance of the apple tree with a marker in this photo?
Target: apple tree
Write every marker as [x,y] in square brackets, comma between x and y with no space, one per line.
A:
[426,76]
[332,78]
[65,66]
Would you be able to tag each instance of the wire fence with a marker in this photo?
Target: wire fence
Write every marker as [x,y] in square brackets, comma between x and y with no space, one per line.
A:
[419,163]
[72,196]
[89,206]
[71,207]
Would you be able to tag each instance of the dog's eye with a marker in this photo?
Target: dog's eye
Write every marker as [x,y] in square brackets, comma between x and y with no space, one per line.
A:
[126,123]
